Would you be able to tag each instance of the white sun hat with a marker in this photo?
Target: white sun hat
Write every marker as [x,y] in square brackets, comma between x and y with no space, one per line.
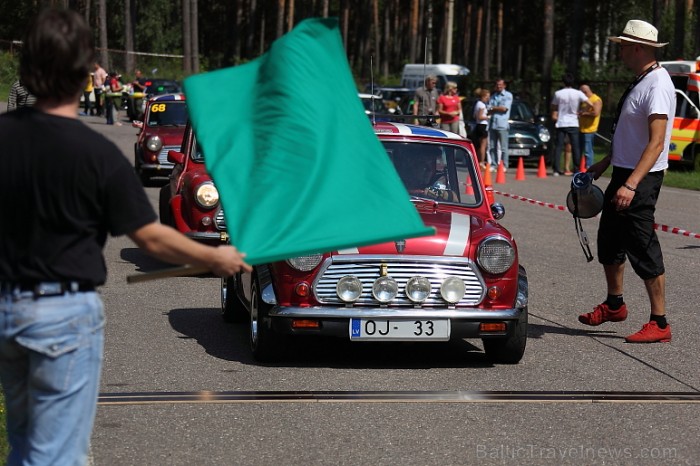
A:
[640,32]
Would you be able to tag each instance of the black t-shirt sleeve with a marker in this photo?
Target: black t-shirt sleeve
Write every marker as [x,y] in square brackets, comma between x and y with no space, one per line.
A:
[127,206]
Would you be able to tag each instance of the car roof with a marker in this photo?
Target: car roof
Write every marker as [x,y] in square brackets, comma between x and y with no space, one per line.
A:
[403,129]
[167,97]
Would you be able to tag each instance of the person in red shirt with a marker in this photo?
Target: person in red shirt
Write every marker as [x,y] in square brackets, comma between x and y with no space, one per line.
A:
[449,106]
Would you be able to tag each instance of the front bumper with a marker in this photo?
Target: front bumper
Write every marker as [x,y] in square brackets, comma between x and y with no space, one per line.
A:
[464,323]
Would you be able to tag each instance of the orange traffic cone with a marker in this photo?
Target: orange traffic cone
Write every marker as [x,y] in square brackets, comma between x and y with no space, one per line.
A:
[487,175]
[542,170]
[582,167]
[520,172]
[469,190]
[500,173]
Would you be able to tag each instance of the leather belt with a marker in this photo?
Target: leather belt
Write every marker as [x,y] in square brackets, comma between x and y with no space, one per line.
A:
[46,289]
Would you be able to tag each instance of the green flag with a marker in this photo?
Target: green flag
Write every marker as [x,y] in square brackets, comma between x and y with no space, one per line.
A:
[292,152]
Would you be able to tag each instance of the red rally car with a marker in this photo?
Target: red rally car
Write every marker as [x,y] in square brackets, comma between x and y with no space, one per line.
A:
[464,282]
[161,130]
[190,201]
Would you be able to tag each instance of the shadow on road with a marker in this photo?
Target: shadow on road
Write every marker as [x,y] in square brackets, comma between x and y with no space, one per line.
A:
[230,342]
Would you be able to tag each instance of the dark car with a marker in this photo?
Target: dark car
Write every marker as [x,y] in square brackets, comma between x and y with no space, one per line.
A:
[190,201]
[136,101]
[463,282]
[161,130]
[528,136]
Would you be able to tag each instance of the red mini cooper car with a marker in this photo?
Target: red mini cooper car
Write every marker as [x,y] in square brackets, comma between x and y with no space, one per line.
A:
[162,128]
[190,201]
[464,282]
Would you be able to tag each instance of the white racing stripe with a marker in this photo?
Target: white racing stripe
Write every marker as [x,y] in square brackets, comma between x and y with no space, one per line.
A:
[459,234]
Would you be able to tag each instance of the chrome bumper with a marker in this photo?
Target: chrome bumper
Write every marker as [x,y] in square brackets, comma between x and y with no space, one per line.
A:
[474,315]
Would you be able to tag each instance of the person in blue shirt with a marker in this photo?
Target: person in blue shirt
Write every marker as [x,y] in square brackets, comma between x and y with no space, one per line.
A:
[499,107]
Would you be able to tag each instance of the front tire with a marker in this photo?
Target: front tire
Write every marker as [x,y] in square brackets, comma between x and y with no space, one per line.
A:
[510,349]
[265,344]
[164,212]
[232,310]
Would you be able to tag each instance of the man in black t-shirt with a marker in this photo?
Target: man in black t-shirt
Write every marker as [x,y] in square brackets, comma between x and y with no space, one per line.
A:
[63,189]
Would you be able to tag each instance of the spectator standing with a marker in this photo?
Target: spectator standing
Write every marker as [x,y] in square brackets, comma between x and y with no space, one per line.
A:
[74,187]
[19,96]
[641,133]
[87,93]
[139,82]
[499,107]
[565,105]
[113,97]
[425,102]
[448,107]
[588,120]
[481,128]
[99,78]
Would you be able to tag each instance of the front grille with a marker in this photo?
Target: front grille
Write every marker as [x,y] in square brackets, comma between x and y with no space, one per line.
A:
[524,140]
[163,155]
[400,268]
[219,220]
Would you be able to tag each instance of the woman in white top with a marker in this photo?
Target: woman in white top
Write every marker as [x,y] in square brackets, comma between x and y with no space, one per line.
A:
[481,132]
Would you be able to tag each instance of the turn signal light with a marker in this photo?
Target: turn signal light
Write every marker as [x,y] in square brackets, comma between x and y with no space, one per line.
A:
[302,289]
[494,293]
[493,327]
[305,323]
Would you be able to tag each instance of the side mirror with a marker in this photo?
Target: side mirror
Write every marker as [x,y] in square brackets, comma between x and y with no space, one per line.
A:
[498,210]
[176,157]
[137,124]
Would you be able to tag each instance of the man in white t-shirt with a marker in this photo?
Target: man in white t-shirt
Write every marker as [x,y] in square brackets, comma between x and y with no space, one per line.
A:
[639,156]
[565,107]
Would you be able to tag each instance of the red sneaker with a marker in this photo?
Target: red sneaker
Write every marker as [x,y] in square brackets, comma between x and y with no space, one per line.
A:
[602,313]
[651,333]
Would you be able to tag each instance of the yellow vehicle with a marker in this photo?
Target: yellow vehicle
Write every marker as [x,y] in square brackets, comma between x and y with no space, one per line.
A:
[685,139]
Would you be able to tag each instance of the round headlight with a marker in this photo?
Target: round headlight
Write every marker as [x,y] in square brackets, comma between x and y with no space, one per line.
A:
[495,255]
[452,289]
[154,143]
[384,289]
[305,263]
[544,134]
[349,288]
[418,289]
[207,195]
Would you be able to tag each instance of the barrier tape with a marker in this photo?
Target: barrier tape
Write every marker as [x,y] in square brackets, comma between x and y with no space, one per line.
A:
[657,226]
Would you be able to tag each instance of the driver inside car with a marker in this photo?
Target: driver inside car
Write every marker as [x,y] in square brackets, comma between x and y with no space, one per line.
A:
[421,168]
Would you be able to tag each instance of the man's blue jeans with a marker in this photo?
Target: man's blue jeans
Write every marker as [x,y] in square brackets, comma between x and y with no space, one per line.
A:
[587,147]
[573,133]
[50,363]
[498,138]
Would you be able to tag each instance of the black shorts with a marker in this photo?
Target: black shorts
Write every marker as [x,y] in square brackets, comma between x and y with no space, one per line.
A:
[480,132]
[630,232]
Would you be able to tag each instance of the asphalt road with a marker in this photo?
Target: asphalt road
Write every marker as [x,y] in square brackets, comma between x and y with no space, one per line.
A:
[165,339]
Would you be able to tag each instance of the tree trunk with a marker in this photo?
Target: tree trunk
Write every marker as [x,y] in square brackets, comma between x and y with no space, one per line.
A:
[414,32]
[290,18]
[547,52]
[499,39]
[448,37]
[280,18]
[487,39]
[187,37]
[128,39]
[194,26]
[102,13]
[477,35]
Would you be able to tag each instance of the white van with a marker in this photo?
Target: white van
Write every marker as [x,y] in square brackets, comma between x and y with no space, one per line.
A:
[414,75]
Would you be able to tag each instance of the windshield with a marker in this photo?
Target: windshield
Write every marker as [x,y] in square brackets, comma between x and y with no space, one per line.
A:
[167,114]
[520,111]
[438,172]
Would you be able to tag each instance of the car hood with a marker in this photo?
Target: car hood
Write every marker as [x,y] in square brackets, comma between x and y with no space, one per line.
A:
[524,127]
[171,135]
[454,231]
